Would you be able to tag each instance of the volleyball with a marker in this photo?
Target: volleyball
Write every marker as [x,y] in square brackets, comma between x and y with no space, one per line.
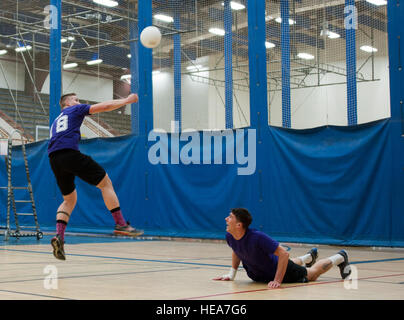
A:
[150,37]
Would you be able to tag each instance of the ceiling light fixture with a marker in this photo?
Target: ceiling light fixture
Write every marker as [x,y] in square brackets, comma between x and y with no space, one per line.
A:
[291,21]
[330,34]
[70,65]
[368,49]
[23,49]
[107,3]
[163,17]
[305,56]
[269,45]
[377,2]
[217,31]
[235,5]
[93,62]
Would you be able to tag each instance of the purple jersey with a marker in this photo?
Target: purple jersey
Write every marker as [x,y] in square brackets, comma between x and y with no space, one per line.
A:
[65,130]
[256,250]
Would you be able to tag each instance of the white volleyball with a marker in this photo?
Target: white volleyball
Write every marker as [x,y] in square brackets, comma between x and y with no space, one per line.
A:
[150,37]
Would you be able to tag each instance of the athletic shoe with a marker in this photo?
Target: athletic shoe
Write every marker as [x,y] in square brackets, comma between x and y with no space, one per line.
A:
[344,267]
[314,255]
[58,248]
[127,230]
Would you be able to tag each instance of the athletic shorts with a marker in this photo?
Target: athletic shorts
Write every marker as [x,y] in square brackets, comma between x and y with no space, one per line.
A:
[295,273]
[66,164]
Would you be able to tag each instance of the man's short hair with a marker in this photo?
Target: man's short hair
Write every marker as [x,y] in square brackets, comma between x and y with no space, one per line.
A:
[242,215]
[63,98]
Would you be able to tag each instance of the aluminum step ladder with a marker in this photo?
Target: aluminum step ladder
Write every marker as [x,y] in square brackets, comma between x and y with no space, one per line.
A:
[12,202]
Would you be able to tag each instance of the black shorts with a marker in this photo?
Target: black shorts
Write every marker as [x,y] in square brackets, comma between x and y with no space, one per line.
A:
[295,273]
[67,164]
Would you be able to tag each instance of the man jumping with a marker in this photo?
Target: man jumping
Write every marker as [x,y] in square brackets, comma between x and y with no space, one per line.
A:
[67,162]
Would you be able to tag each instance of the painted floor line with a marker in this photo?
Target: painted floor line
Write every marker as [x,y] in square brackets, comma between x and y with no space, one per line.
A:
[288,287]
[176,261]
[34,294]
[101,275]
[122,258]
[374,261]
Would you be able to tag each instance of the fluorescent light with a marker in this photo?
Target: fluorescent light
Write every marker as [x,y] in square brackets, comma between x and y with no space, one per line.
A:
[70,38]
[305,56]
[93,62]
[279,20]
[368,49]
[330,34]
[70,65]
[235,5]
[163,17]
[23,49]
[126,77]
[129,55]
[333,35]
[217,31]
[377,2]
[107,3]
[269,45]
[63,40]
[3,52]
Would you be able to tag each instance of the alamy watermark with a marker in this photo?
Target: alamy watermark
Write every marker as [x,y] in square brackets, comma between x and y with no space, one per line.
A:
[167,150]
[351,17]
[51,280]
[51,17]
[351,282]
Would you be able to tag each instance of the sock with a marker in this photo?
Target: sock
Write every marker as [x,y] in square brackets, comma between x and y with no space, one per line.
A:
[60,229]
[118,218]
[336,259]
[306,258]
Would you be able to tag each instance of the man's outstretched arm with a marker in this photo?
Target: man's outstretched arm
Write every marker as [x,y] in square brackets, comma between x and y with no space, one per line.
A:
[113,104]
[235,262]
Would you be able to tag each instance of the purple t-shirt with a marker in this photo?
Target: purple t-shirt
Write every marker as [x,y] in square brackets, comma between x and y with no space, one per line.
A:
[256,251]
[65,130]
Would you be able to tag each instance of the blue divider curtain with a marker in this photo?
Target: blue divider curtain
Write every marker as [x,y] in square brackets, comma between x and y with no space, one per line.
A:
[327,185]
[395,10]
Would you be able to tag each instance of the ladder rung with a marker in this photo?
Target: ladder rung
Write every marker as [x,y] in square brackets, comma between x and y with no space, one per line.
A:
[22,200]
[24,214]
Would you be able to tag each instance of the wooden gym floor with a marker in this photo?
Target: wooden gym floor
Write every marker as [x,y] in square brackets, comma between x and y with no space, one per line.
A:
[99,268]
